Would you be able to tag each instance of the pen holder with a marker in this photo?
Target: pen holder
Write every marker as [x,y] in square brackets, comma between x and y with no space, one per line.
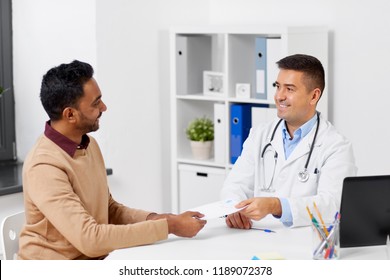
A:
[325,240]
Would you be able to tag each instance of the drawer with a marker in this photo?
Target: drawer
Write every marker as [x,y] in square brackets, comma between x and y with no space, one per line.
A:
[199,185]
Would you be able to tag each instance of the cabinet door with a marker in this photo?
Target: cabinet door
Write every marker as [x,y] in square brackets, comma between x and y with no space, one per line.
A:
[199,185]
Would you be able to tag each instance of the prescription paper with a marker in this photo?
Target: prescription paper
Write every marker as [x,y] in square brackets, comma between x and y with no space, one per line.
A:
[218,209]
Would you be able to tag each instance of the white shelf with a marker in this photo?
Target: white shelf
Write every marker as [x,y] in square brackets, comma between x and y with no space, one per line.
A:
[229,50]
[209,162]
[251,101]
[200,97]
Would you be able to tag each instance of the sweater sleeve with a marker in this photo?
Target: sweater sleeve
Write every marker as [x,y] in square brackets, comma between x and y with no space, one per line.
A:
[120,214]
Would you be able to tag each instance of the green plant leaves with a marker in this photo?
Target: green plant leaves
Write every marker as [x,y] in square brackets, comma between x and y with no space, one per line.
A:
[200,129]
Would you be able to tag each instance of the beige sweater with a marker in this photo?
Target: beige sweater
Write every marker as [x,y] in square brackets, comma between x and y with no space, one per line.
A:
[70,213]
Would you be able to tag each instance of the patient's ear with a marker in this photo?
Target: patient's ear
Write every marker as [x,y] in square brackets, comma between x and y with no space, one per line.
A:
[69,114]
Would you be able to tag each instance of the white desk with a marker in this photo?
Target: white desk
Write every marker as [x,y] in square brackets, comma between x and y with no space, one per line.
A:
[218,242]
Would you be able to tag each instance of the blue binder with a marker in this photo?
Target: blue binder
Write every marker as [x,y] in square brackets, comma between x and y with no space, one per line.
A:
[261,67]
[240,124]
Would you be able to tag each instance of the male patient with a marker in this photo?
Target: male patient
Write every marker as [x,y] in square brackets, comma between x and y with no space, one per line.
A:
[70,213]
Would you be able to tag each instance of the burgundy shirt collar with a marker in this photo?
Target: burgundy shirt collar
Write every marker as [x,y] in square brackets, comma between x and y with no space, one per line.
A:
[64,142]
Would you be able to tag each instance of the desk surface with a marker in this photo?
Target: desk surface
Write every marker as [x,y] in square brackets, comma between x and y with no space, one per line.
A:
[218,242]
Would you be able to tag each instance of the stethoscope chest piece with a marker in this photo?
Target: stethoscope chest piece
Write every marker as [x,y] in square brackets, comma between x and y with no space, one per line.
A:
[303,176]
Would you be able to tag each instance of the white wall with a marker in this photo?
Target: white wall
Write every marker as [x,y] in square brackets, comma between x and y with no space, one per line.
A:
[127,43]
[359,63]
[45,34]
[133,62]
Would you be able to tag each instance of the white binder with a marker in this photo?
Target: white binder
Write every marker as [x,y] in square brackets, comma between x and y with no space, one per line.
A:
[193,56]
[274,54]
[220,125]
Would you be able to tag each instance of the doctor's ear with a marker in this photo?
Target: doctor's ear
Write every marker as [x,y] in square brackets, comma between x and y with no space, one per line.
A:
[316,96]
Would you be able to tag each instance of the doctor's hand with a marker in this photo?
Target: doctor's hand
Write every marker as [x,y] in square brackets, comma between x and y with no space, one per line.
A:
[259,207]
[186,224]
[237,220]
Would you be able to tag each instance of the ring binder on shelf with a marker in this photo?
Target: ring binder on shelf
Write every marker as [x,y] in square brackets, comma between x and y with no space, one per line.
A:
[240,124]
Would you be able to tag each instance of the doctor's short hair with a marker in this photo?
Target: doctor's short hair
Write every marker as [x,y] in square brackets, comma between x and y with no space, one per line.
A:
[312,68]
[62,87]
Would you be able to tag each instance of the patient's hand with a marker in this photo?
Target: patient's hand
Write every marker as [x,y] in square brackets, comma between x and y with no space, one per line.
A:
[186,224]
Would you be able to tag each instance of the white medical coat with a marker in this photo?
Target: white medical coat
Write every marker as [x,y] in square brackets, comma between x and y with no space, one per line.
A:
[332,156]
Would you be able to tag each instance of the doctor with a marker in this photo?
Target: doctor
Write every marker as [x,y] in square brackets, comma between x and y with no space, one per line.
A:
[293,161]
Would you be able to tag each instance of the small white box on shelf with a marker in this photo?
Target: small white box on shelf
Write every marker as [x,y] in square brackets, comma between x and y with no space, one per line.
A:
[243,90]
[213,83]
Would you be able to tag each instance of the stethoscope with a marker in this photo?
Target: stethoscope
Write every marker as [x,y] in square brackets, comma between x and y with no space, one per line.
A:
[303,175]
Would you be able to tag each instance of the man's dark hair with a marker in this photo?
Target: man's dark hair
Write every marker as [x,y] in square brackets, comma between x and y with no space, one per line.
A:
[62,87]
[311,67]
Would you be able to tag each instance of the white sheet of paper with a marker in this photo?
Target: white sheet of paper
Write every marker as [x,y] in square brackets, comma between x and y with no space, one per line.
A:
[217,209]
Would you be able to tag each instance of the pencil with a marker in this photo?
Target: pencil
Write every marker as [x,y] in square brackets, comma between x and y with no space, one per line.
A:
[310,214]
[322,221]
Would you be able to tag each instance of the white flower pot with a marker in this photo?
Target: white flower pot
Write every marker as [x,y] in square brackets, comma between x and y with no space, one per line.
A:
[201,150]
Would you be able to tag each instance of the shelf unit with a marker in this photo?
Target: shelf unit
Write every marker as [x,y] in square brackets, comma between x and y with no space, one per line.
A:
[231,52]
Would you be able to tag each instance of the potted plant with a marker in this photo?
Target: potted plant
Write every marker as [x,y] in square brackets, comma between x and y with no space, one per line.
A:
[201,134]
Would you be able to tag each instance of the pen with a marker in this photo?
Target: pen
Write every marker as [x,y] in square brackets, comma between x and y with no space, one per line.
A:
[324,243]
[265,230]
[336,220]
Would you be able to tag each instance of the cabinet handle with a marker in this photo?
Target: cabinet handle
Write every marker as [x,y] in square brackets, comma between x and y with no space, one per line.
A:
[201,174]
